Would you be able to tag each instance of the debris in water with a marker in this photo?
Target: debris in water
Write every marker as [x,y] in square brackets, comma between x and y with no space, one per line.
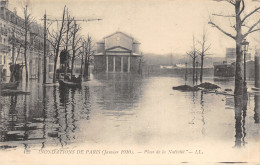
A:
[185,88]
[207,85]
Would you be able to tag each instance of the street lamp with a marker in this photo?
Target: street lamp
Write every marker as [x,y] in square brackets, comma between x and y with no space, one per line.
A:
[245,46]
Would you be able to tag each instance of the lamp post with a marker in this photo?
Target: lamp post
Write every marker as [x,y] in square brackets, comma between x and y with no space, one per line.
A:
[245,49]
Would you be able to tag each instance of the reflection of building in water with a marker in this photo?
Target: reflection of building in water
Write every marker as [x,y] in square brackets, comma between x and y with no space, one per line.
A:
[257,108]
[117,52]
[121,91]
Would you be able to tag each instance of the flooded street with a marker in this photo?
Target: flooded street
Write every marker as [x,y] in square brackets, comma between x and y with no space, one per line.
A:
[120,109]
[127,110]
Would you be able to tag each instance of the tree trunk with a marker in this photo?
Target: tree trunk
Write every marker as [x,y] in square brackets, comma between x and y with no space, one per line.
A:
[25,56]
[239,83]
[58,46]
[72,62]
[193,71]
[201,68]
[25,45]
[55,65]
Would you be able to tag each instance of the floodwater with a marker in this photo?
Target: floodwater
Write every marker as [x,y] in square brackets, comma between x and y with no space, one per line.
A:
[122,109]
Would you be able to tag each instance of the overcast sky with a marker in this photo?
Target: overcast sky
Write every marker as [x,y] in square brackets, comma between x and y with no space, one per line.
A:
[161,26]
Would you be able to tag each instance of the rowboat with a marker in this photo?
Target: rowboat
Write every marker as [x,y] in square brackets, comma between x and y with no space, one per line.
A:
[64,83]
[10,85]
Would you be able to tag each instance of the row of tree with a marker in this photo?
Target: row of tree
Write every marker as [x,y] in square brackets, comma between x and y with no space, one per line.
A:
[66,34]
[200,49]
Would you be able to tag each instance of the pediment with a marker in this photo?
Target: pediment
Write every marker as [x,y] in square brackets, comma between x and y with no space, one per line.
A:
[118,49]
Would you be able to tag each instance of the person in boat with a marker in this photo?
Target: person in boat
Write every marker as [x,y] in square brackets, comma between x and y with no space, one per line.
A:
[73,78]
[79,79]
[67,78]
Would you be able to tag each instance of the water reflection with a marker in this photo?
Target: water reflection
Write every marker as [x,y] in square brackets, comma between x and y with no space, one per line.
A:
[114,107]
[202,112]
[257,108]
[240,117]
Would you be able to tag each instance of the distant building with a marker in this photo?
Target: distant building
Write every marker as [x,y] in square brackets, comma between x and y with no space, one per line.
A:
[117,52]
[224,70]
[230,55]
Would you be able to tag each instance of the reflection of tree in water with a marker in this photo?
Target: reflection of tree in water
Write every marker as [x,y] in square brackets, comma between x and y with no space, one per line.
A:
[240,116]
[68,104]
[64,99]
[87,105]
[12,117]
[11,121]
[202,113]
[193,109]
[257,108]
[44,116]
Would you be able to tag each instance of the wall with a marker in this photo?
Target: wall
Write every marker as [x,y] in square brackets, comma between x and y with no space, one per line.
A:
[119,39]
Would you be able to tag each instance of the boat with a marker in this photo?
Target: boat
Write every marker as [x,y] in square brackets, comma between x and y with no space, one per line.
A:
[70,84]
[10,85]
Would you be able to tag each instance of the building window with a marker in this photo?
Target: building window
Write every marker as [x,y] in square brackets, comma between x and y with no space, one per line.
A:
[0,59]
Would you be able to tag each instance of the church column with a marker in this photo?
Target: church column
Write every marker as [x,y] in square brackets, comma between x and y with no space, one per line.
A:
[129,63]
[114,63]
[106,63]
[122,64]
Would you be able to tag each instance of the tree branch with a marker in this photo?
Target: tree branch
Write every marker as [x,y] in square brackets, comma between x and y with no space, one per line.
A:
[243,7]
[220,29]
[250,30]
[220,15]
[251,13]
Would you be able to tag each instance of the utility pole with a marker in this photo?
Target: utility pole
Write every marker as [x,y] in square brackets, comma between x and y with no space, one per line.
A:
[44,51]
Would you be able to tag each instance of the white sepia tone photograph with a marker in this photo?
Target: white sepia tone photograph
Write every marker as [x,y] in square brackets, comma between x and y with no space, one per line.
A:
[129,82]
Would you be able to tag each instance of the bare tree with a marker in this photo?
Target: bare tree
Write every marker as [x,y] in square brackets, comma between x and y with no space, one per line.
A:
[89,51]
[239,6]
[205,47]
[193,54]
[56,40]
[69,20]
[28,20]
[75,44]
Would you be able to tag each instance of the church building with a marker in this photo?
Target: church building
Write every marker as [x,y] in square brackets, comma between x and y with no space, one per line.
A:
[117,52]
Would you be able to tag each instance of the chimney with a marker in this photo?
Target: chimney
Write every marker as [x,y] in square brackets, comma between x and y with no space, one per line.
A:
[15,11]
[4,3]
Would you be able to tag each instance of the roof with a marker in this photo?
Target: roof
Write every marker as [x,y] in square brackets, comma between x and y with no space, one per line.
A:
[134,40]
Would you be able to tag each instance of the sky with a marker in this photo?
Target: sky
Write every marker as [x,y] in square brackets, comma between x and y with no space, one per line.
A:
[161,26]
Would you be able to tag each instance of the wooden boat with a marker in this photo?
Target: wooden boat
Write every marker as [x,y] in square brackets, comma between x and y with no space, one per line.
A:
[64,83]
[10,85]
